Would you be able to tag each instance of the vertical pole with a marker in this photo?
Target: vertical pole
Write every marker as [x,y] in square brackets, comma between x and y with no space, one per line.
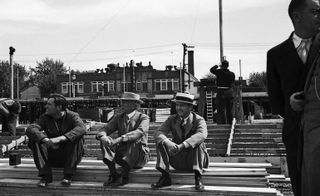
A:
[124,78]
[183,65]
[69,85]
[220,30]
[181,78]
[18,97]
[11,52]
[240,68]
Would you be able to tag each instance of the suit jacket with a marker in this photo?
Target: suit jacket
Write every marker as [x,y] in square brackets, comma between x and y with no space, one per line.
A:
[73,127]
[286,74]
[311,110]
[195,130]
[136,129]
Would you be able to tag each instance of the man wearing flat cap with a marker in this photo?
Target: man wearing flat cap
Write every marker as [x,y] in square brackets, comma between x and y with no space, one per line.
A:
[130,148]
[186,151]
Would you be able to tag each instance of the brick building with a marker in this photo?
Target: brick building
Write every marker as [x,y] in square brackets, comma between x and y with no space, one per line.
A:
[110,83]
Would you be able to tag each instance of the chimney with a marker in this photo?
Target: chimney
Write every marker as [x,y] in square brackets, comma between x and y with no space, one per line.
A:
[191,62]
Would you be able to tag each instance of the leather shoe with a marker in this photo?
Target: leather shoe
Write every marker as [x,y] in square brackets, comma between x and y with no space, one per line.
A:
[112,179]
[198,184]
[123,180]
[66,182]
[163,181]
[44,181]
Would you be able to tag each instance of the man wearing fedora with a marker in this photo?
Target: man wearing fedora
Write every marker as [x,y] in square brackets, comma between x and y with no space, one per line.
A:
[186,151]
[130,148]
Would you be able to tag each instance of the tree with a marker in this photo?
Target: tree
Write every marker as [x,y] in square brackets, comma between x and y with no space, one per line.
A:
[257,79]
[5,78]
[209,76]
[45,75]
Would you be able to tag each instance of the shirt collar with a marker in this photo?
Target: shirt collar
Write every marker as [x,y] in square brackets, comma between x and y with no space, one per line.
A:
[131,114]
[185,119]
[297,40]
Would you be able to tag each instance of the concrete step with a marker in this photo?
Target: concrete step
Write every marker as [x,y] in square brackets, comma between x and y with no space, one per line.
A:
[11,186]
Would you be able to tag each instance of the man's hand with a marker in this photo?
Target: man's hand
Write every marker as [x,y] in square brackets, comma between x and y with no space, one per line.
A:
[172,147]
[297,101]
[214,68]
[106,141]
[178,149]
[58,140]
[116,141]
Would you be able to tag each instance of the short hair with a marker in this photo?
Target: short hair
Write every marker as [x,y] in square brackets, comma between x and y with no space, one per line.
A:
[59,100]
[296,5]
[225,63]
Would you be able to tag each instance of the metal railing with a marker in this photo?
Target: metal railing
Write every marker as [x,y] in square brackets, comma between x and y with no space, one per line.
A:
[231,137]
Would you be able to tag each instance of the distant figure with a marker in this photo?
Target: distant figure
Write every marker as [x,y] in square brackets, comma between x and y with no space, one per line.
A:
[9,110]
[56,140]
[224,99]
[130,148]
[187,150]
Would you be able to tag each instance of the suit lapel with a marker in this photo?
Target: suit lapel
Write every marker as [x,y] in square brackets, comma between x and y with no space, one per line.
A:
[133,120]
[313,60]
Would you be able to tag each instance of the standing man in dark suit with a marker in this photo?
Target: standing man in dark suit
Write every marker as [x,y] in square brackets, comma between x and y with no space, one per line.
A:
[224,99]
[287,67]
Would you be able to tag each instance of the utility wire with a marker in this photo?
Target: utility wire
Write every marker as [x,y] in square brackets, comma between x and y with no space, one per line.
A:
[98,32]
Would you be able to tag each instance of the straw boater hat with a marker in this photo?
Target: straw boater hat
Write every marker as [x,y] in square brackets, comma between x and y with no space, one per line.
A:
[128,96]
[184,98]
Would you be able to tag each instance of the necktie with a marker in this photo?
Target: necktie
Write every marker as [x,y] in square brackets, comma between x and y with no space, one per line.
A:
[183,130]
[303,49]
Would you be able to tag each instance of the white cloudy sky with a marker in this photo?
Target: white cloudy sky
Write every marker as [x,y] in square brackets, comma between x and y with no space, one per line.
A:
[86,35]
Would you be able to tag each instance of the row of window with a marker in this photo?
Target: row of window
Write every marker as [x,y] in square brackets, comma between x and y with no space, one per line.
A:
[108,86]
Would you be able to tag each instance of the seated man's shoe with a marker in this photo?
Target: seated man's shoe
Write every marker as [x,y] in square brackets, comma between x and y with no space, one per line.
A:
[122,180]
[112,179]
[198,184]
[44,181]
[66,181]
[163,181]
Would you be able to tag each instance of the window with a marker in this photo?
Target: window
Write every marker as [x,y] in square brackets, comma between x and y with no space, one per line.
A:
[145,85]
[139,86]
[127,86]
[64,87]
[79,87]
[175,84]
[98,86]
[163,85]
[110,85]
[157,83]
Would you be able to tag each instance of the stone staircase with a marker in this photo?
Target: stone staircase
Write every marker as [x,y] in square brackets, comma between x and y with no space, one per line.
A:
[258,140]
[219,178]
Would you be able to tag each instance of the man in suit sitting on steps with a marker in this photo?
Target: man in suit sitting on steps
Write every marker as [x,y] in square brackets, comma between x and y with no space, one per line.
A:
[130,148]
[186,151]
[56,140]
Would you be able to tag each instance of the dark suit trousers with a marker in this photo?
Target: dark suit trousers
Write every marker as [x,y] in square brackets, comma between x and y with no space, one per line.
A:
[224,103]
[189,159]
[135,154]
[9,123]
[67,156]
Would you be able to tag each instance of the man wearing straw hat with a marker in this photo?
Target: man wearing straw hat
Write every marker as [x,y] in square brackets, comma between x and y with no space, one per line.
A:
[186,151]
[129,149]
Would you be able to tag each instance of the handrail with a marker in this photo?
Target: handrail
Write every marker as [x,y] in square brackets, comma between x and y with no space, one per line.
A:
[13,144]
[231,136]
